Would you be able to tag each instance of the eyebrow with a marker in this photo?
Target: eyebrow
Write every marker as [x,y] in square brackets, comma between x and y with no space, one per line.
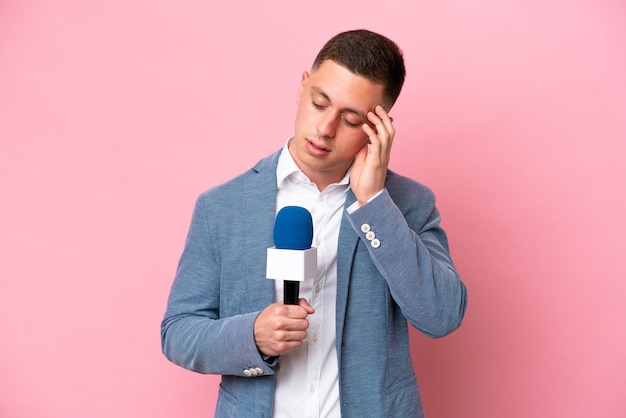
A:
[348,109]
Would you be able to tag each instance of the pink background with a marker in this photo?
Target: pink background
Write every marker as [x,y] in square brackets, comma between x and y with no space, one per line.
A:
[115,115]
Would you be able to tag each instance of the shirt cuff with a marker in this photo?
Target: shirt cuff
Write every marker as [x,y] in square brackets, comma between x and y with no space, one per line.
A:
[353,207]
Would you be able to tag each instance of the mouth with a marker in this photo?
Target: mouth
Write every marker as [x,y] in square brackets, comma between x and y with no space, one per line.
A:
[317,150]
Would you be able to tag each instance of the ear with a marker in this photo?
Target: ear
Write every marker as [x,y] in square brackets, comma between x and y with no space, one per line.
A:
[305,77]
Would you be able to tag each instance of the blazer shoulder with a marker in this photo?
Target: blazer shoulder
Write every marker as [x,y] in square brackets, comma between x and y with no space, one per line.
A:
[248,195]
[262,171]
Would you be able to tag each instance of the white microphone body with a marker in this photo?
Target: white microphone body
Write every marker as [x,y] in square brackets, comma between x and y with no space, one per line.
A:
[295,265]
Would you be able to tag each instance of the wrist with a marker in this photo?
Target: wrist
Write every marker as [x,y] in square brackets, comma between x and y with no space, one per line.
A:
[365,202]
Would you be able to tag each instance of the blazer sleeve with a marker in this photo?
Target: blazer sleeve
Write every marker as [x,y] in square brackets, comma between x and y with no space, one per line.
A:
[410,250]
[193,335]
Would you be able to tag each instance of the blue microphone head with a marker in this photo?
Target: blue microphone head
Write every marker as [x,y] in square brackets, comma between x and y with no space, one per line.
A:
[293,229]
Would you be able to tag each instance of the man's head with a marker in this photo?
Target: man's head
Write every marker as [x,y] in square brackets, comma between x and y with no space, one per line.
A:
[369,55]
[353,74]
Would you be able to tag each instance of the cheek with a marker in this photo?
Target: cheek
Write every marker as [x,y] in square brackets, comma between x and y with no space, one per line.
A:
[301,118]
[355,142]
[305,115]
[360,138]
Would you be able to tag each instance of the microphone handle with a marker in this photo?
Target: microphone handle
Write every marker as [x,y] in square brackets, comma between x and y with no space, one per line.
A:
[291,292]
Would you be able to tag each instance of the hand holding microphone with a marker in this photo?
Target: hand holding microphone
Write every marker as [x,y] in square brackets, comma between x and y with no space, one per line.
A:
[280,328]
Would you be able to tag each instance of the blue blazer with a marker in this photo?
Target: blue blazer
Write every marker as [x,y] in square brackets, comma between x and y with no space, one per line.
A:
[220,288]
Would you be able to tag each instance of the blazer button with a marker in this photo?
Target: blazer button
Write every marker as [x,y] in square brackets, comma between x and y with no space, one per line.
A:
[258,370]
[370,235]
[247,372]
[375,243]
[365,228]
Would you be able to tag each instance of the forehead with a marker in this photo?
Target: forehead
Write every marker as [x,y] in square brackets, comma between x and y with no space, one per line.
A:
[344,88]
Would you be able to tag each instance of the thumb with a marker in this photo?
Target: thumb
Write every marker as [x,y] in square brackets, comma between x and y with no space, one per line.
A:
[303,302]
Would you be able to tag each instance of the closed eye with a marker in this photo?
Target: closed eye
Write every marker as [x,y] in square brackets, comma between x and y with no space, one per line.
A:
[351,124]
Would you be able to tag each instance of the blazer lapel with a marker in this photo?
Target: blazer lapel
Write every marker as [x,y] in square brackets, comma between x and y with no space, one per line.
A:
[346,248]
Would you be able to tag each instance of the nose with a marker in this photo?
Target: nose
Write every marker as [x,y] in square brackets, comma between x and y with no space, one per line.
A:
[327,125]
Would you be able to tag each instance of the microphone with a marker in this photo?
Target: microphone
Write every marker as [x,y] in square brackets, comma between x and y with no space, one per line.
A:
[292,259]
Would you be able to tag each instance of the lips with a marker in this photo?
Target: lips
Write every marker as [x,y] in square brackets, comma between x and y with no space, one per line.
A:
[316,150]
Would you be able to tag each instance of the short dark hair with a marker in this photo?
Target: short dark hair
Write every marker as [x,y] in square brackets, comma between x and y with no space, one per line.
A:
[369,55]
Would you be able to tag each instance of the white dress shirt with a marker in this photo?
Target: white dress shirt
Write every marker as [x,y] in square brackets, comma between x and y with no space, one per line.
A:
[307,378]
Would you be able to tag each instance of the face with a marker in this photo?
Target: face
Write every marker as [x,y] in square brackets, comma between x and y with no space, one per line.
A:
[332,107]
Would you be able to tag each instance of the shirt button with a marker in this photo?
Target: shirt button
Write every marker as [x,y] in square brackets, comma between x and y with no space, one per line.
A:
[375,243]
[311,388]
[315,338]
[365,228]
[370,235]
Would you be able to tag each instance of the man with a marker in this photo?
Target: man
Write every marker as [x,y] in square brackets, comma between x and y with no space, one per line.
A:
[383,259]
